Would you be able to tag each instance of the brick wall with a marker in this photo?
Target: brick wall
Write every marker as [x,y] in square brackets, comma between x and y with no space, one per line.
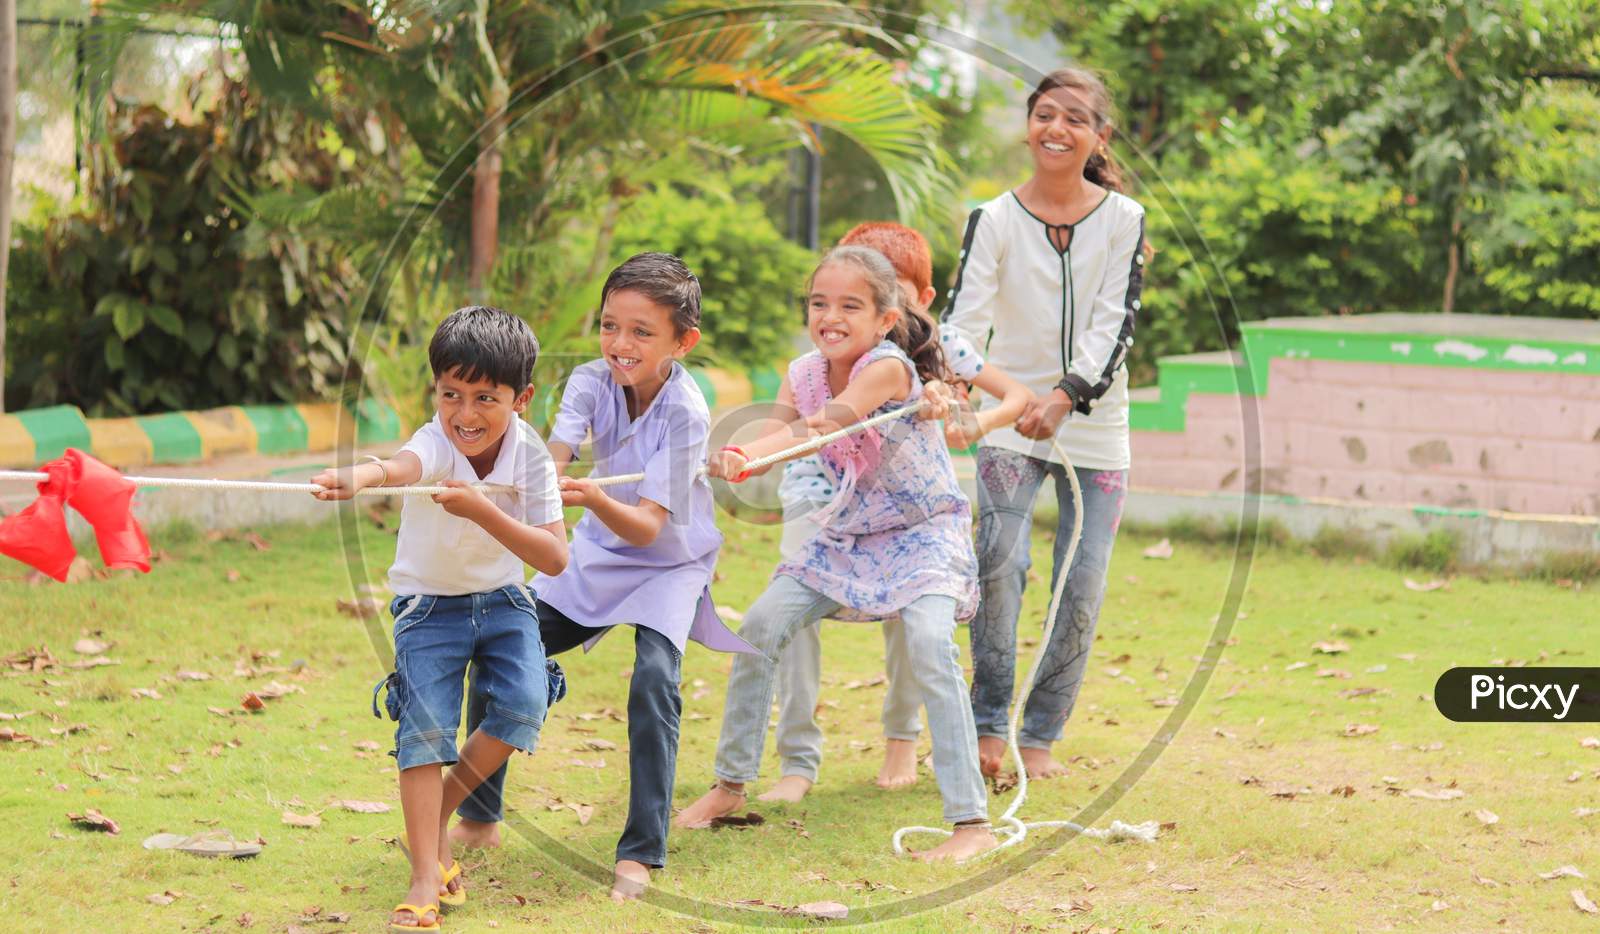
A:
[1392,433]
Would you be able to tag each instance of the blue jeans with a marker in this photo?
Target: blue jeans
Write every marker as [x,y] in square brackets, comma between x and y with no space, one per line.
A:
[435,638]
[788,607]
[655,709]
[1007,485]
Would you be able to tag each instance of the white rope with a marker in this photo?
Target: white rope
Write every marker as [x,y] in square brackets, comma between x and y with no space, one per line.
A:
[799,450]
[266,486]
[1008,827]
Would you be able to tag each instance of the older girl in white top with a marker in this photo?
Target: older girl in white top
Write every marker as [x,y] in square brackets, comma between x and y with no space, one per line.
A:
[1049,284]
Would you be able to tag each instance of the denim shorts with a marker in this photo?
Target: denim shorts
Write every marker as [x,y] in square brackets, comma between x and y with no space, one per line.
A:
[435,639]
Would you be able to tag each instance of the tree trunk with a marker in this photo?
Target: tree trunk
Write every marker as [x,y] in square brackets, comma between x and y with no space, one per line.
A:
[486,197]
[1452,267]
[486,171]
[602,248]
[8,143]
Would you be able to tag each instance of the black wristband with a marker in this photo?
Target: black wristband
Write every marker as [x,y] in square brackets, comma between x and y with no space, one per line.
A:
[1072,393]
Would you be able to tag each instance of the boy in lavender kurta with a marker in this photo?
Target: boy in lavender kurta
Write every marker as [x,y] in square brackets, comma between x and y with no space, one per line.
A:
[645,552]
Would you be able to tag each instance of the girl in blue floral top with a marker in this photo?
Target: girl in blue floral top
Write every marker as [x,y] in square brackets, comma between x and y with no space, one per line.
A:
[896,539]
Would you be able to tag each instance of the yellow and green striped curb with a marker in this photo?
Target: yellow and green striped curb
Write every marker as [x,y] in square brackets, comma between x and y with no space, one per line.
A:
[32,437]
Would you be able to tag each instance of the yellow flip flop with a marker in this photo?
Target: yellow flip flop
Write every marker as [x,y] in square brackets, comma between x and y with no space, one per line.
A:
[417,911]
[446,897]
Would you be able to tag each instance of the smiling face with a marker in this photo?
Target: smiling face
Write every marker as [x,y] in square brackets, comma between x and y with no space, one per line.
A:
[476,413]
[639,341]
[842,316]
[1064,131]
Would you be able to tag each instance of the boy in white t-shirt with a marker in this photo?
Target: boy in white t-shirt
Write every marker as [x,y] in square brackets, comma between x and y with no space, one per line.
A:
[458,578]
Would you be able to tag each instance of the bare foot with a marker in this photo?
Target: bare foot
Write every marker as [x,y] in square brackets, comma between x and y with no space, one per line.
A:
[790,788]
[991,752]
[474,835]
[1039,764]
[723,799]
[968,841]
[629,880]
[899,764]
[421,894]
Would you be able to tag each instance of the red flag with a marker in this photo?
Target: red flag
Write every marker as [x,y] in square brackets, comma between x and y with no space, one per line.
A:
[38,535]
[105,498]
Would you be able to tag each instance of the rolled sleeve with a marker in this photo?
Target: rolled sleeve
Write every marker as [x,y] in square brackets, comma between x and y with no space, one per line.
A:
[578,403]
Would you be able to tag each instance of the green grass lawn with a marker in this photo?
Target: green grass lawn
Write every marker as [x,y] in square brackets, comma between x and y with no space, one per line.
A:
[1278,821]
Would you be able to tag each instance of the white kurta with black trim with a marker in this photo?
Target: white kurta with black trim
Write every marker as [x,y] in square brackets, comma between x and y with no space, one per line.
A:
[1044,314]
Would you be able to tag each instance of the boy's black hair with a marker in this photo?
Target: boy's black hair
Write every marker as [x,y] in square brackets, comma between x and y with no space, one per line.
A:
[662,278]
[480,342]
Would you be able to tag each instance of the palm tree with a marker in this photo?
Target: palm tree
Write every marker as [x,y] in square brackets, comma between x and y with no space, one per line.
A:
[554,108]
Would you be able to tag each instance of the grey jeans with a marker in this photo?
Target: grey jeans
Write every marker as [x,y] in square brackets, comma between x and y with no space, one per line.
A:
[788,607]
[1008,482]
[799,739]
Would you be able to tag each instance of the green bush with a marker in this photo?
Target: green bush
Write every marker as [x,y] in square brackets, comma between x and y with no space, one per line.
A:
[1266,232]
[751,276]
[1437,551]
[155,293]
[1342,541]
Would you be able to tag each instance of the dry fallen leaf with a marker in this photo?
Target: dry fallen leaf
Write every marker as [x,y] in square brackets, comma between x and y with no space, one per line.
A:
[368,745]
[1359,729]
[97,662]
[79,571]
[1583,903]
[256,541]
[1576,812]
[363,807]
[730,614]
[600,745]
[90,646]
[361,607]
[92,819]
[1184,887]
[1486,817]
[273,690]
[253,703]
[1443,794]
[162,898]
[1590,742]
[870,682]
[1330,648]
[232,576]
[8,735]
[301,820]
[151,693]
[584,812]
[193,676]
[1296,666]
[1485,880]
[1561,872]
[1161,550]
[1435,584]
[831,911]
